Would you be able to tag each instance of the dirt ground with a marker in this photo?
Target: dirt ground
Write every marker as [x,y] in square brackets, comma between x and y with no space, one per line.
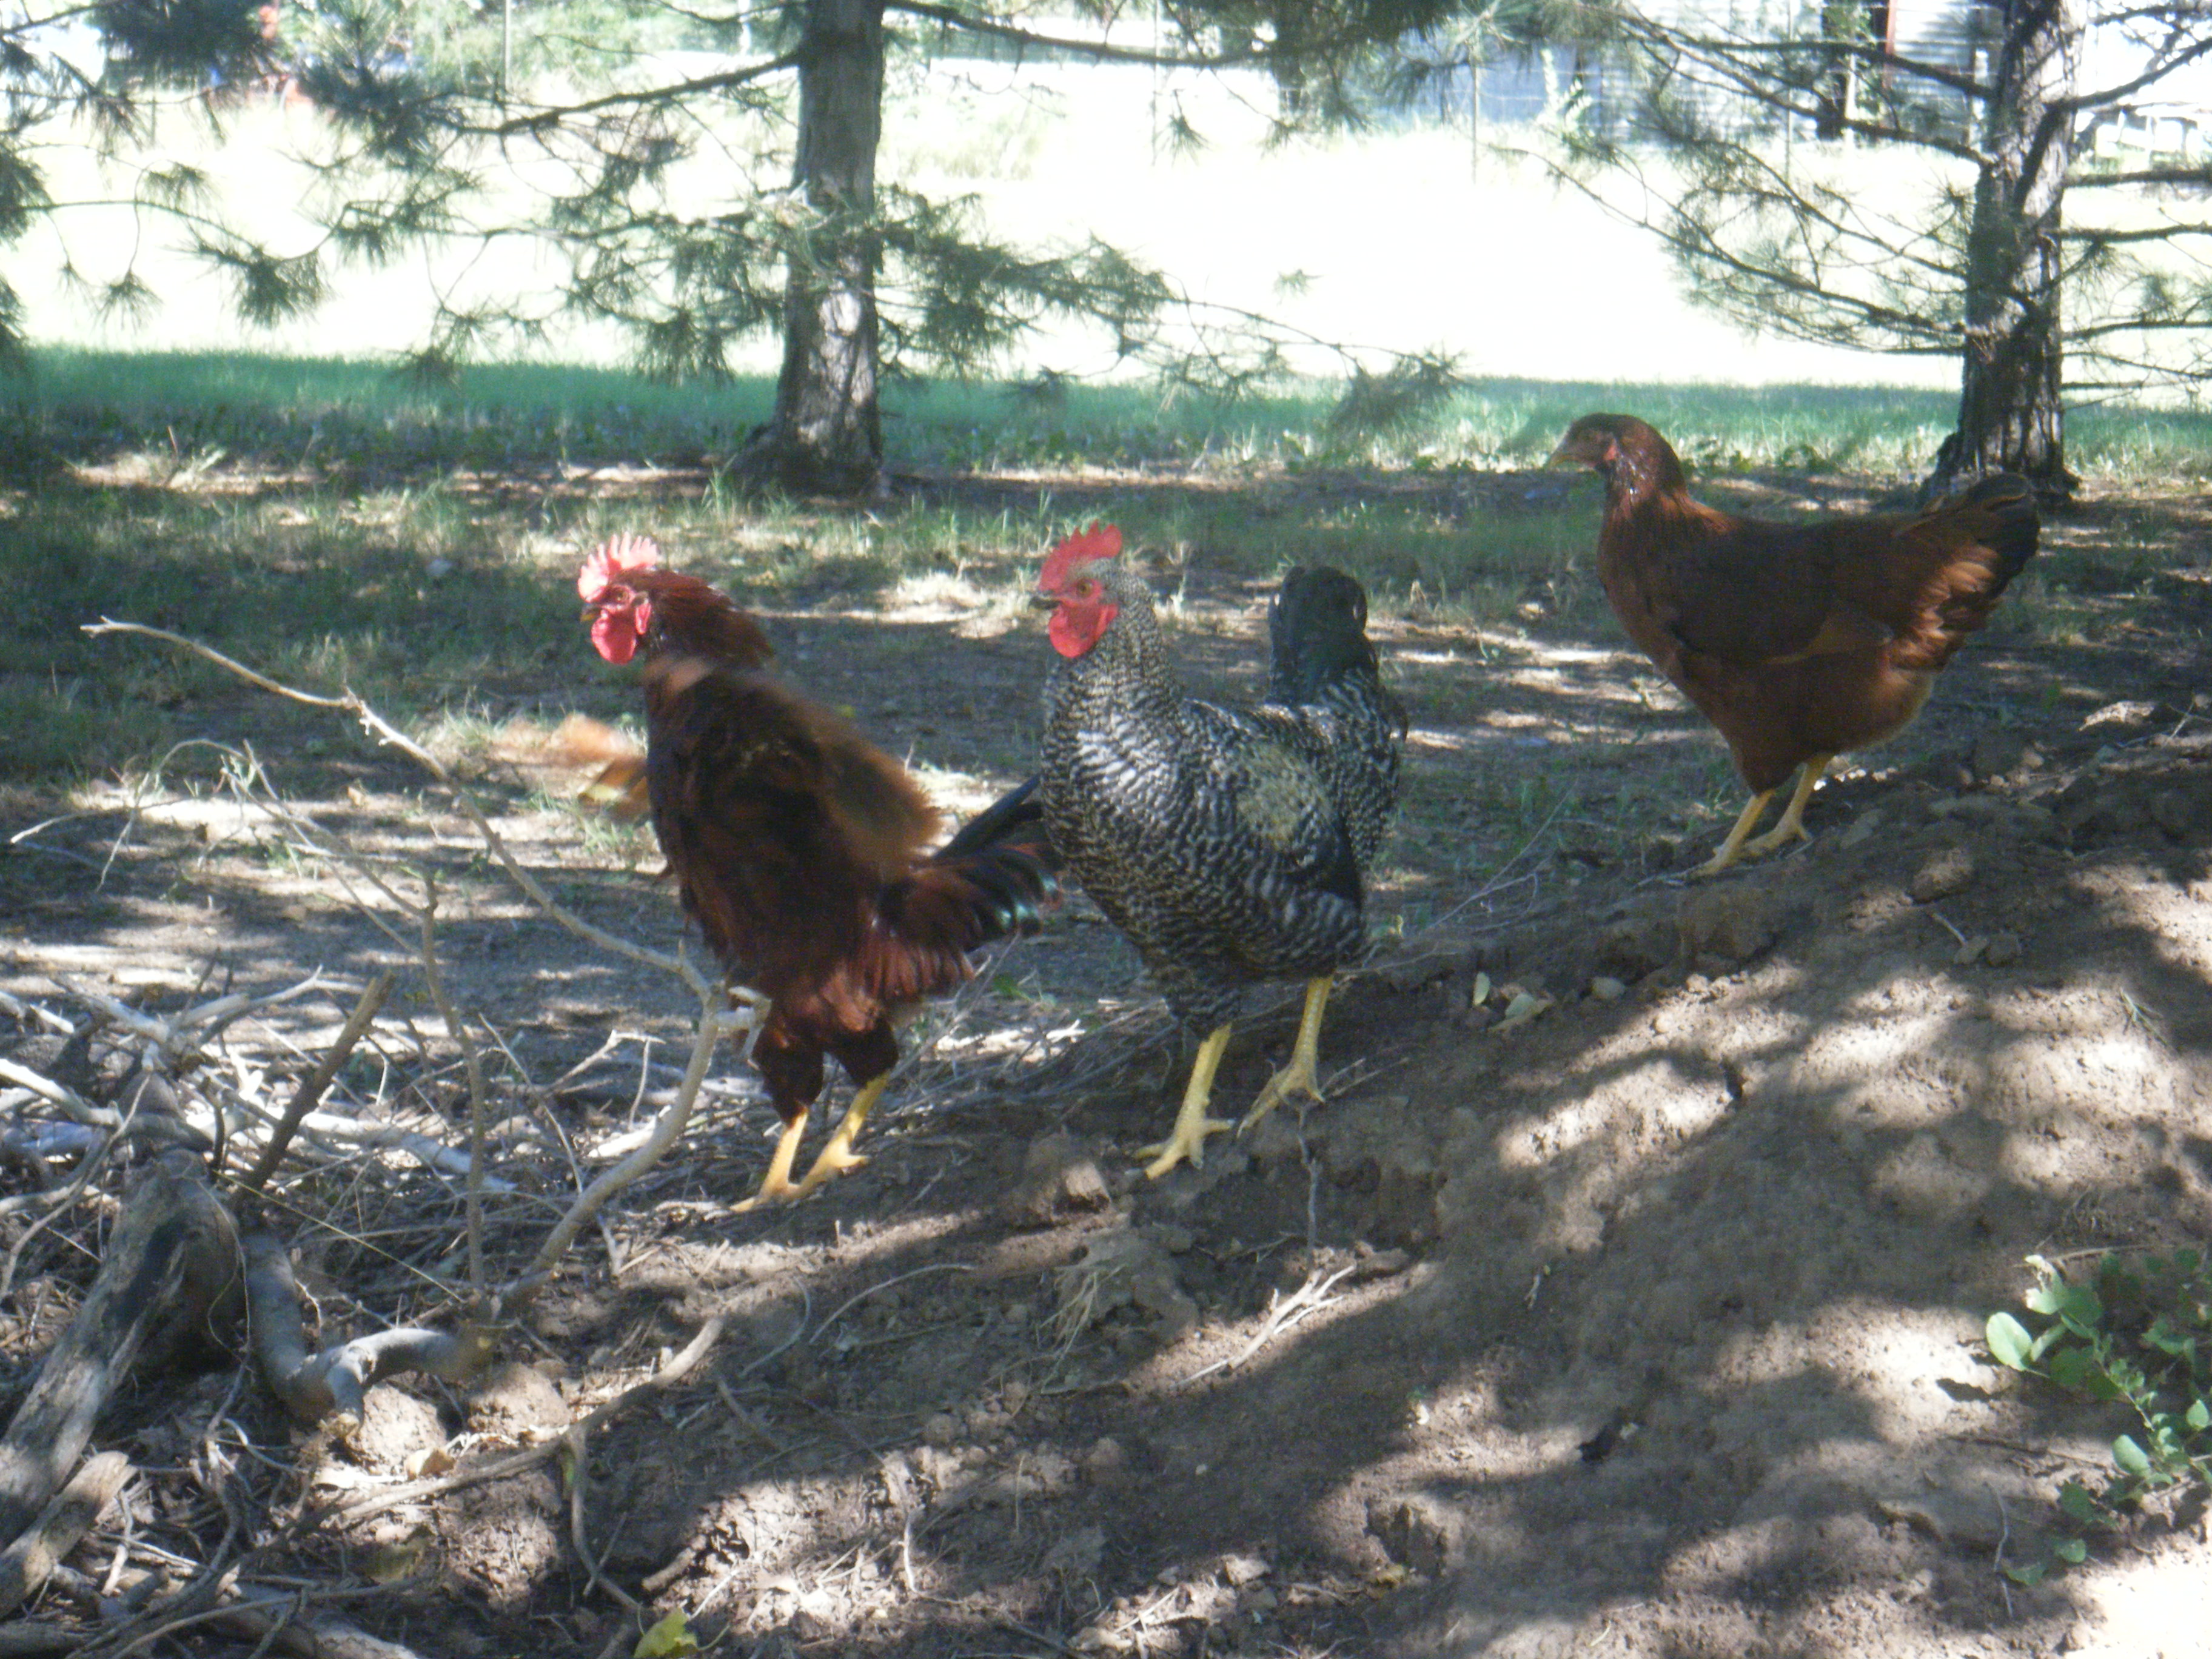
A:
[1649,1324]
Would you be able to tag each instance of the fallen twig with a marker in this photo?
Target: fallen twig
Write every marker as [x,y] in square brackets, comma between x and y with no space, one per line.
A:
[667,1129]
[311,1088]
[1282,1313]
[173,1254]
[60,1094]
[385,733]
[333,1381]
[26,1563]
[473,1066]
[499,1468]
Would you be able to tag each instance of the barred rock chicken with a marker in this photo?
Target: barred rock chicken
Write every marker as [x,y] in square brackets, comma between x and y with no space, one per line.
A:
[1231,845]
[1798,641]
[797,845]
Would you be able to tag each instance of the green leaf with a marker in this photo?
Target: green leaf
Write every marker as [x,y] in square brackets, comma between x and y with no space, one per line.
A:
[2072,1551]
[2075,1504]
[2008,1340]
[2198,1416]
[670,1638]
[2132,1458]
[2070,1368]
[2030,1575]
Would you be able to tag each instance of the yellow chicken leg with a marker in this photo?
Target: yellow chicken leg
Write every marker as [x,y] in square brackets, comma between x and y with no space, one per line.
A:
[775,1185]
[1301,1076]
[837,1155]
[1792,825]
[1187,1141]
[1732,850]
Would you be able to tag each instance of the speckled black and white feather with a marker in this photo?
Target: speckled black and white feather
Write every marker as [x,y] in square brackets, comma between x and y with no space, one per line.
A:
[1231,845]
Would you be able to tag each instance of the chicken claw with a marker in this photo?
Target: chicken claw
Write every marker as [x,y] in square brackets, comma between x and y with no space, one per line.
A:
[1186,1144]
[775,1186]
[1791,825]
[1789,828]
[1303,1074]
[837,1156]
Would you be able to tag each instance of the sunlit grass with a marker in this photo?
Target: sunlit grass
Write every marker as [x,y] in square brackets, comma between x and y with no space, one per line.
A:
[339,526]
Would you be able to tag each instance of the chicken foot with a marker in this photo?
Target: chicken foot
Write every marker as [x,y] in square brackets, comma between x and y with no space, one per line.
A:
[834,1158]
[1790,827]
[1186,1143]
[1302,1076]
[837,1156]
[776,1186]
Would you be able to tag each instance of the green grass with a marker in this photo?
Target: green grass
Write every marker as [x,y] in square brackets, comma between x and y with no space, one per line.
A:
[336,524]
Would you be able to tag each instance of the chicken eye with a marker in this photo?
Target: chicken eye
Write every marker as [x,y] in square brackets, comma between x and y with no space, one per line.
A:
[1085,589]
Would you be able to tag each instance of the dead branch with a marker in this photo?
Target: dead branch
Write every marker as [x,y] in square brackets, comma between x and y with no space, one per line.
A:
[293,1625]
[75,1105]
[319,1129]
[478,1114]
[715,1016]
[385,733]
[172,1259]
[311,1088]
[26,1640]
[80,1178]
[667,1129]
[1283,1315]
[529,1458]
[26,1563]
[580,1483]
[332,1382]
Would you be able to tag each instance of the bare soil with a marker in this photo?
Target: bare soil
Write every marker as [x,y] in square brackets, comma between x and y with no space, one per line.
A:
[1649,1324]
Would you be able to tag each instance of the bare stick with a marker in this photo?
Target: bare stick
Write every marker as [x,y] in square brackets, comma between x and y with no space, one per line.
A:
[667,1129]
[26,1563]
[474,1066]
[60,1094]
[579,1481]
[311,1088]
[385,733]
[1310,1297]
[333,1382]
[168,1259]
[515,1463]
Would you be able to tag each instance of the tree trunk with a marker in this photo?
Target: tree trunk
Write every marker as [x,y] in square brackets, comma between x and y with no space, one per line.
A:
[2011,418]
[827,434]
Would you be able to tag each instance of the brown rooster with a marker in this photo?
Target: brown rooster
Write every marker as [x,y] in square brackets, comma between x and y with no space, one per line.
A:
[1798,641]
[798,848]
[1231,845]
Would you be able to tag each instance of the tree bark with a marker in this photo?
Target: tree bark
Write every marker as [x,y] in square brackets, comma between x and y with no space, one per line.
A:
[172,1263]
[2010,417]
[827,434]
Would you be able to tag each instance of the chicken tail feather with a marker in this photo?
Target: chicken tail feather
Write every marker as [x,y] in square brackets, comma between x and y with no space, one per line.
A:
[2013,526]
[930,920]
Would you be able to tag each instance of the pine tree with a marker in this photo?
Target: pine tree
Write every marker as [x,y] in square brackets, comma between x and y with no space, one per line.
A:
[667,195]
[1749,151]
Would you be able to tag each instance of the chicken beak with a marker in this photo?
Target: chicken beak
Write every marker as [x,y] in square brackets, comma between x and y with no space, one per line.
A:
[1560,458]
[1044,601]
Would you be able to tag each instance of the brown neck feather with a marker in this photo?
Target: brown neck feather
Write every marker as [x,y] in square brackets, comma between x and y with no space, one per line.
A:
[1646,468]
[689,617]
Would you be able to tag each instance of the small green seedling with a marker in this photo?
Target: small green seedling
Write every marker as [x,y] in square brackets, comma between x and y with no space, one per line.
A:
[2137,1331]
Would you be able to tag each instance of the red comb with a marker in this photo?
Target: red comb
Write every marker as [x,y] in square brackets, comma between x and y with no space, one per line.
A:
[611,560]
[1101,541]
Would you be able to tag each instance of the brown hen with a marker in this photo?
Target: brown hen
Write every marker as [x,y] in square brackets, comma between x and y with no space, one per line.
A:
[798,847]
[1800,641]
